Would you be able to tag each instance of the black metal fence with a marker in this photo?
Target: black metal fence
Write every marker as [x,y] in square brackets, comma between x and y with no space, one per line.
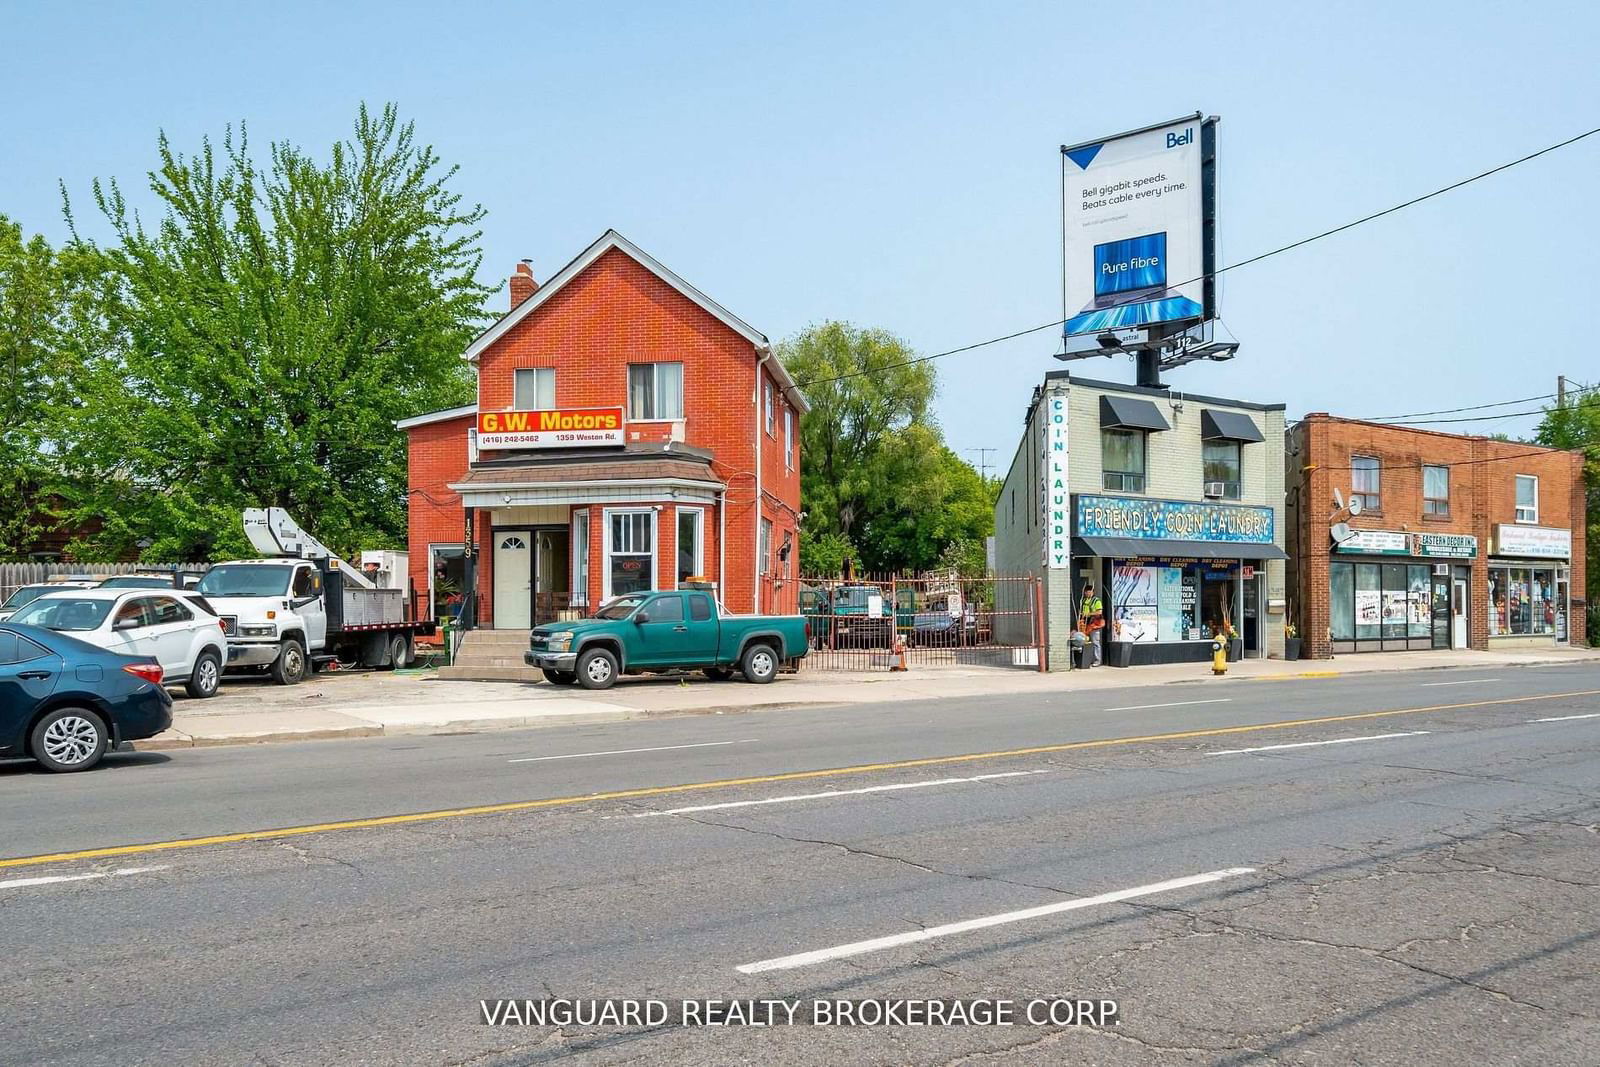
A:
[889,622]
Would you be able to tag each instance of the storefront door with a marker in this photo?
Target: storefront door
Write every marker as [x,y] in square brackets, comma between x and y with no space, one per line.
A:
[1252,618]
[1458,613]
[513,579]
[1562,604]
[552,595]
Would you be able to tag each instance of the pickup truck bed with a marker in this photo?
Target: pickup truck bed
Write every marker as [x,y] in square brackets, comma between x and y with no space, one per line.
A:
[667,631]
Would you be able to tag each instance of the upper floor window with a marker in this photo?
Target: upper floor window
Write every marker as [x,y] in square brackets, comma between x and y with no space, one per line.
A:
[1122,460]
[535,389]
[1222,469]
[1364,482]
[655,391]
[1527,498]
[1436,491]
[788,437]
[771,428]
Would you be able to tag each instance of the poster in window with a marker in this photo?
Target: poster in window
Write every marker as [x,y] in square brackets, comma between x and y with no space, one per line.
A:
[1170,591]
[1368,610]
[1134,600]
[1191,598]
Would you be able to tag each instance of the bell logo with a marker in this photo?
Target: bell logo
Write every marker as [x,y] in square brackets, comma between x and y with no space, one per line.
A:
[1176,139]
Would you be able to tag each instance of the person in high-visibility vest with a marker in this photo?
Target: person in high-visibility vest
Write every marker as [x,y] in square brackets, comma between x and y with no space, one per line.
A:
[1092,620]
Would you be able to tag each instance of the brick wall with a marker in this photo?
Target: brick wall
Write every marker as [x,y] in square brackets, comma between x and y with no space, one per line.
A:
[1482,494]
[614,313]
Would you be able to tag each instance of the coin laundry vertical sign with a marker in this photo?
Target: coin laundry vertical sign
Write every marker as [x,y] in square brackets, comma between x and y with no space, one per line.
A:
[1053,488]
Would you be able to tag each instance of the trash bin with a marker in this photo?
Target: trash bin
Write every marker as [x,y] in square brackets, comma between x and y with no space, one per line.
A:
[1082,652]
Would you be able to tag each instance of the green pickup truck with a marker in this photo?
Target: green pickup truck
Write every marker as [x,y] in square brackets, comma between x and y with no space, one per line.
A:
[643,633]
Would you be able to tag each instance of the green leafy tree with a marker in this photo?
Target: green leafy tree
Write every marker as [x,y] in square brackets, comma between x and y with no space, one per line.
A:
[49,327]
[875,475]
[278,318]
[1576,426]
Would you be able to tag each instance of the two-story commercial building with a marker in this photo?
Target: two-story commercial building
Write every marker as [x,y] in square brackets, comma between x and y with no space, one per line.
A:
[629,433]
[1170,503]
[1413,539]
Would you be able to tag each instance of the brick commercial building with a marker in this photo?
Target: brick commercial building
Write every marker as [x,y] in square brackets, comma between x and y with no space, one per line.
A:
[629,433]
[1170,503]
[1461,542]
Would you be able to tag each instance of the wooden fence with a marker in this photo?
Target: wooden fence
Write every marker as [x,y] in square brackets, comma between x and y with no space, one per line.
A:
[15,575]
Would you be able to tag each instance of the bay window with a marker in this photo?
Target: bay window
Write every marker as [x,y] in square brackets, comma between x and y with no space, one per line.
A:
[691,532]
[580,558]
[630,552]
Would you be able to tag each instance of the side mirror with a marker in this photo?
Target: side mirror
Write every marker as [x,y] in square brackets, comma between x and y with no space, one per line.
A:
[640,618]
[125,624]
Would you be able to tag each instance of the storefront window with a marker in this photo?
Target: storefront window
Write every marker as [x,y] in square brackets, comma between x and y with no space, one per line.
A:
[630,557]
[1221,465]
[1342,601]
[1523,601]
[1122,460]
[690,523]
[447,568]
[1369,597]
[580,558]
[1169,600]
[1419,603]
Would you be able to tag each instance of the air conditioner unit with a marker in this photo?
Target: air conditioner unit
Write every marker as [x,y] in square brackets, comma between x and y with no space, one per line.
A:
[1215,490]
[1441,569]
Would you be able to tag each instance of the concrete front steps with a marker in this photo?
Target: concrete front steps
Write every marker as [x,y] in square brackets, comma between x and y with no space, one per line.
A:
[492,656]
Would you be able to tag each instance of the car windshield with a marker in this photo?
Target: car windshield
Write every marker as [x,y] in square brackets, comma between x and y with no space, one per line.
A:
[619,608]
[26,595]
[65,613]
[245,579]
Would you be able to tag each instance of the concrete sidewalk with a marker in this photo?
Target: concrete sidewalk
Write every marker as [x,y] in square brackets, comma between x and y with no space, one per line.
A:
[377,704]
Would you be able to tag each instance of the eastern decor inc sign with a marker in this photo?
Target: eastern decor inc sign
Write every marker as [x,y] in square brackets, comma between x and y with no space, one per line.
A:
[1173,520]
[1400,543]
[553,428]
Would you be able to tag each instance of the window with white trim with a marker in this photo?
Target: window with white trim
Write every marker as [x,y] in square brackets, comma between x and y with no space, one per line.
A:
[630,552]
[655,391]
[535,389]
[771,413]
[691,543]
[580,558]
[764,548]
[788,437]
[1527,498]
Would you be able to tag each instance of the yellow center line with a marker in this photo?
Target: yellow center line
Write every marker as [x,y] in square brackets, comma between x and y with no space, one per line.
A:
[728,783]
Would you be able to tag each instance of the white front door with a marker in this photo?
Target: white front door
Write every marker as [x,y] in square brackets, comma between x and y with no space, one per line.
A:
[513,580]
[1458,613]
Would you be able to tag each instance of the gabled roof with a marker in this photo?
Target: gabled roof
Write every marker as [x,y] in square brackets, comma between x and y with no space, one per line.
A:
[606,242]
[436,416]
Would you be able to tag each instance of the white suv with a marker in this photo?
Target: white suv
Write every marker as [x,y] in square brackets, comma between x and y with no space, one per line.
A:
[177,628]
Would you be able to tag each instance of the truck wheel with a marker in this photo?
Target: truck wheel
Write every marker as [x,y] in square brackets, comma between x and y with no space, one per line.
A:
[206,677]
[718,674]
[399,653]
[759,664]
[291,665]
[597,669]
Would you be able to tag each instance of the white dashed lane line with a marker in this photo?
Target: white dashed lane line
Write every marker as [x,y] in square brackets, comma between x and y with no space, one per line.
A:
[1313,744]
[796,797]
[121,872]
[631,751]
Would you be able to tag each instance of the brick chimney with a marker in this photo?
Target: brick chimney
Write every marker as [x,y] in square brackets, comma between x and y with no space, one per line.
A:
[522,284]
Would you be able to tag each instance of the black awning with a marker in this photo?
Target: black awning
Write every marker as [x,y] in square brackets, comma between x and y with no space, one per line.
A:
[1130,413]
[1130,547]
[1228,426]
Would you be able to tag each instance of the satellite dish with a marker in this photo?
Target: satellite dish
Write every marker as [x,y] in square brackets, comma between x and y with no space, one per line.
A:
[1338,500]
[1341,532]
[1355,505]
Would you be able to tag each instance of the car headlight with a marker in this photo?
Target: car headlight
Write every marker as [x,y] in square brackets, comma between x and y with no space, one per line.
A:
[560,642]
[258,631]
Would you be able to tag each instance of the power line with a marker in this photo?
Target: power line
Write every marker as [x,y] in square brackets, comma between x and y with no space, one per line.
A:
[1480,407]
[1232,266]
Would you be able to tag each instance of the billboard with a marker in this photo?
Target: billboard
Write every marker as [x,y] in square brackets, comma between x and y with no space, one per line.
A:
[552,428]
[1138,228]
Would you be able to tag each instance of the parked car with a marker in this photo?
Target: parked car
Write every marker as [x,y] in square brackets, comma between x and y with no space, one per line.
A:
[945,620]
[27,594]
[176,627]
[64,702]
[644,633]
[186,580]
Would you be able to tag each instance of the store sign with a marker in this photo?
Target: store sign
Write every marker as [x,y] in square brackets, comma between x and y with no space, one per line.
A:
[553,428]
[1539,542]
[1053,471]
[1398,543]
[1134,227]
[1174,520]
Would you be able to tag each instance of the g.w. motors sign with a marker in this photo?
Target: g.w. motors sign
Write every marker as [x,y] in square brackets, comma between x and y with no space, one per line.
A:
[555,428]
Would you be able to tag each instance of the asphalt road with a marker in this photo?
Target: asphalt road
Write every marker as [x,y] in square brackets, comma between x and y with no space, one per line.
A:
[1413,877]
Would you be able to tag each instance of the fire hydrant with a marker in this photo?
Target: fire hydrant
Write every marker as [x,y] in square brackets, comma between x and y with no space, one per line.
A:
[1219,654]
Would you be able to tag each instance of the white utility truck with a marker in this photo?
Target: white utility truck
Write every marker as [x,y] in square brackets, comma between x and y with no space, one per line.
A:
[301,607]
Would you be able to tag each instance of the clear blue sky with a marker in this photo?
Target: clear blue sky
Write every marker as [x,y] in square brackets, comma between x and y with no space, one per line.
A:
[897,164]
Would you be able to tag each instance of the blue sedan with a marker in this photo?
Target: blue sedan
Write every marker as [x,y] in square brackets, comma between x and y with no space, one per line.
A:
[64,702]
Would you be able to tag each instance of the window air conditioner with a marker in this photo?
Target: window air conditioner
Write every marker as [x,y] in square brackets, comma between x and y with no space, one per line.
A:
[1214,490]
[1441,569]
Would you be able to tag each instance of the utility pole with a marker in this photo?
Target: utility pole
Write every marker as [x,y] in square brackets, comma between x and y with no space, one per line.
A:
[1561,391]
[983,461]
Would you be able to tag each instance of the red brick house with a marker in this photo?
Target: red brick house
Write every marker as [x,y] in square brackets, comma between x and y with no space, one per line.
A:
[1461,541]
[630,433]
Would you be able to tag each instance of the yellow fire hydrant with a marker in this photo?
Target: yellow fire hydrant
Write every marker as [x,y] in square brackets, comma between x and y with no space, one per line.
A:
[1219,654]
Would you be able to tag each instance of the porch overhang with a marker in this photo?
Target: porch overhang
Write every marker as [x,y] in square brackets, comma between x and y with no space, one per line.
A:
[610,491]
[641,474]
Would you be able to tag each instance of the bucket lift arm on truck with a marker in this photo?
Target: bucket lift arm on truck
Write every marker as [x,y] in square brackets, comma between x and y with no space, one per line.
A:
[274,533]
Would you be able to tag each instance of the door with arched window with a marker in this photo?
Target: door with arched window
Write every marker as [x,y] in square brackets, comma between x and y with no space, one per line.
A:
[513,579]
